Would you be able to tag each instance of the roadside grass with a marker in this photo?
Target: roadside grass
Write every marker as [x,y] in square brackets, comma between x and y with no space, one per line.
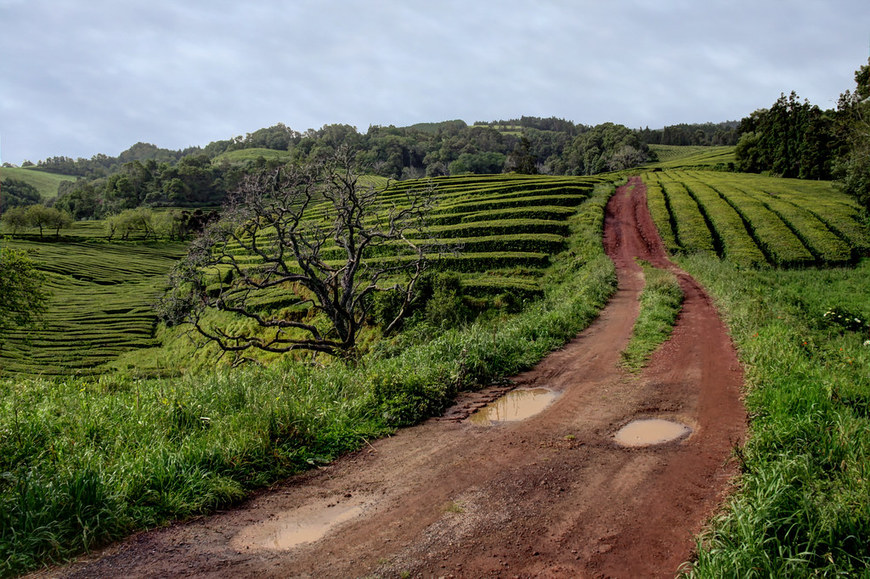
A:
[85,461]
[802,504]
[660,304]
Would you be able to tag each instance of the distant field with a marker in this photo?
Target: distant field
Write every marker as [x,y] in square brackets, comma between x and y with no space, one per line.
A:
[45,183]
[673,156]
[100,306]
[754,220]
[245,155]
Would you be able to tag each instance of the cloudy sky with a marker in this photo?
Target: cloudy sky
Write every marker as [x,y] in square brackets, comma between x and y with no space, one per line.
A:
[81,77]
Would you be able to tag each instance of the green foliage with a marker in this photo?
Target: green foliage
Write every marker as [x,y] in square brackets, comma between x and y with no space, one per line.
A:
[22,286]
[660,304]
[88,461]
[445,308]
[755,220]
[17,193]
[801,507]
[606,147]
[42,217]
[791,139]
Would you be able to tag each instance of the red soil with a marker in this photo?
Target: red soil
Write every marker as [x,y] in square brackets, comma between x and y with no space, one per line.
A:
[551,496]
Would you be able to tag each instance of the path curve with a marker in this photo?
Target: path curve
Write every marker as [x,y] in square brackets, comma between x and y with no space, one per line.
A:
[551,496]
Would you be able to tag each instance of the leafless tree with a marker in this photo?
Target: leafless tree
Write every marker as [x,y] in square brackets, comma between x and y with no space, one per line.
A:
[315,231]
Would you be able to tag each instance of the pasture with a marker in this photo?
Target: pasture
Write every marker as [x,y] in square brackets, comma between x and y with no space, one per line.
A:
[45,183]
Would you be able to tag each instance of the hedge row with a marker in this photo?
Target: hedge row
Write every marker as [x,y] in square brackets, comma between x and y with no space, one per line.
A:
[734,238]
[691,229]
[821,241]
[780,244]
[658,208]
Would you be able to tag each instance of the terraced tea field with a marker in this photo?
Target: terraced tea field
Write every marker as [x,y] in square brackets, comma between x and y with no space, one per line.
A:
[497,231]
[753,220]
[100,306]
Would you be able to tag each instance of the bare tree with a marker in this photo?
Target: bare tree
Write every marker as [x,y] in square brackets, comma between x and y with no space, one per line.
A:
[316,232]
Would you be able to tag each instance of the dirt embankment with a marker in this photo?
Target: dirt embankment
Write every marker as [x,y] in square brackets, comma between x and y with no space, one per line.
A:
[550,496]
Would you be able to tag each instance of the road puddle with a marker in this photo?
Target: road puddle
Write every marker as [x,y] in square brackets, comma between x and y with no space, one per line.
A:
[303,525]
[651,431]
[515,405]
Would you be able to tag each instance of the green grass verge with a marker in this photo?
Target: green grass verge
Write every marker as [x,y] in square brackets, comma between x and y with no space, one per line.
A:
[660,304]
[87,461]
[802,504]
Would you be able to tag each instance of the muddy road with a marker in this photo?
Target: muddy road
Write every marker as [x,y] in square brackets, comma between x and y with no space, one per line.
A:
[553,495]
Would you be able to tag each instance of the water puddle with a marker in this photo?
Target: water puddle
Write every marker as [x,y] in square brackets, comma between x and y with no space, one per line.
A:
[651,431]
[515,405]
[291,529]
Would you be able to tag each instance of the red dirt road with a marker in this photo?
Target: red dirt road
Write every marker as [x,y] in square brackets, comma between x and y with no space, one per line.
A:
[550,496]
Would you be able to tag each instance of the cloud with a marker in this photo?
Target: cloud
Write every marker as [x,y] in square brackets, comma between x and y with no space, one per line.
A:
[96,77]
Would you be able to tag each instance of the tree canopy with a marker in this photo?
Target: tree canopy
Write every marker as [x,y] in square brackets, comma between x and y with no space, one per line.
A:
[22,287]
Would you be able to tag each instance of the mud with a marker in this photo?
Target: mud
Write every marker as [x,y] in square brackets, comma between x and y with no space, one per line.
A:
[549,496]
[519,404]
[650,432]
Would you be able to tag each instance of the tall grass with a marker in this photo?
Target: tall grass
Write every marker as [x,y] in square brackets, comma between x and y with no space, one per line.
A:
[802,506]
[83,462]
[660,304]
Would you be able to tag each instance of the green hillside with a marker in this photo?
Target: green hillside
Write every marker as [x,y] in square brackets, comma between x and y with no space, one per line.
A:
[248,155]
[692,156]
[45,183]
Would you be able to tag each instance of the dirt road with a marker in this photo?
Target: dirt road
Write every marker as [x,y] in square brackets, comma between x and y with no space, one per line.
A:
[549,496]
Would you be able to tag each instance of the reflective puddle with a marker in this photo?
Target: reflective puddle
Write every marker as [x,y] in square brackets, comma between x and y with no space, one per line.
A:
[303,525]
[515,405]
[651,431]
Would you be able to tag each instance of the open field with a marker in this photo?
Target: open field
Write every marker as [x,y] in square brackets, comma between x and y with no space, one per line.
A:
[45,183]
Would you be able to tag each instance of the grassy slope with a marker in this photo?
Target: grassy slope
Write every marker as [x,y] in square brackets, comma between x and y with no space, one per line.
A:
[88,461]
[45,183]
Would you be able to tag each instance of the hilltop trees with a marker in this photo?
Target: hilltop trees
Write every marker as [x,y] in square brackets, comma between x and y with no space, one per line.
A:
[793,139]
[308,228]
[854,163]
[606,147]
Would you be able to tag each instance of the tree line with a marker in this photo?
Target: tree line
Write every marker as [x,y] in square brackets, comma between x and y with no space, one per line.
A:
[794,138]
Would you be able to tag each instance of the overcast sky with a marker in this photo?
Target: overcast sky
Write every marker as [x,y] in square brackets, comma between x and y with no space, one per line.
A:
[81,77]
